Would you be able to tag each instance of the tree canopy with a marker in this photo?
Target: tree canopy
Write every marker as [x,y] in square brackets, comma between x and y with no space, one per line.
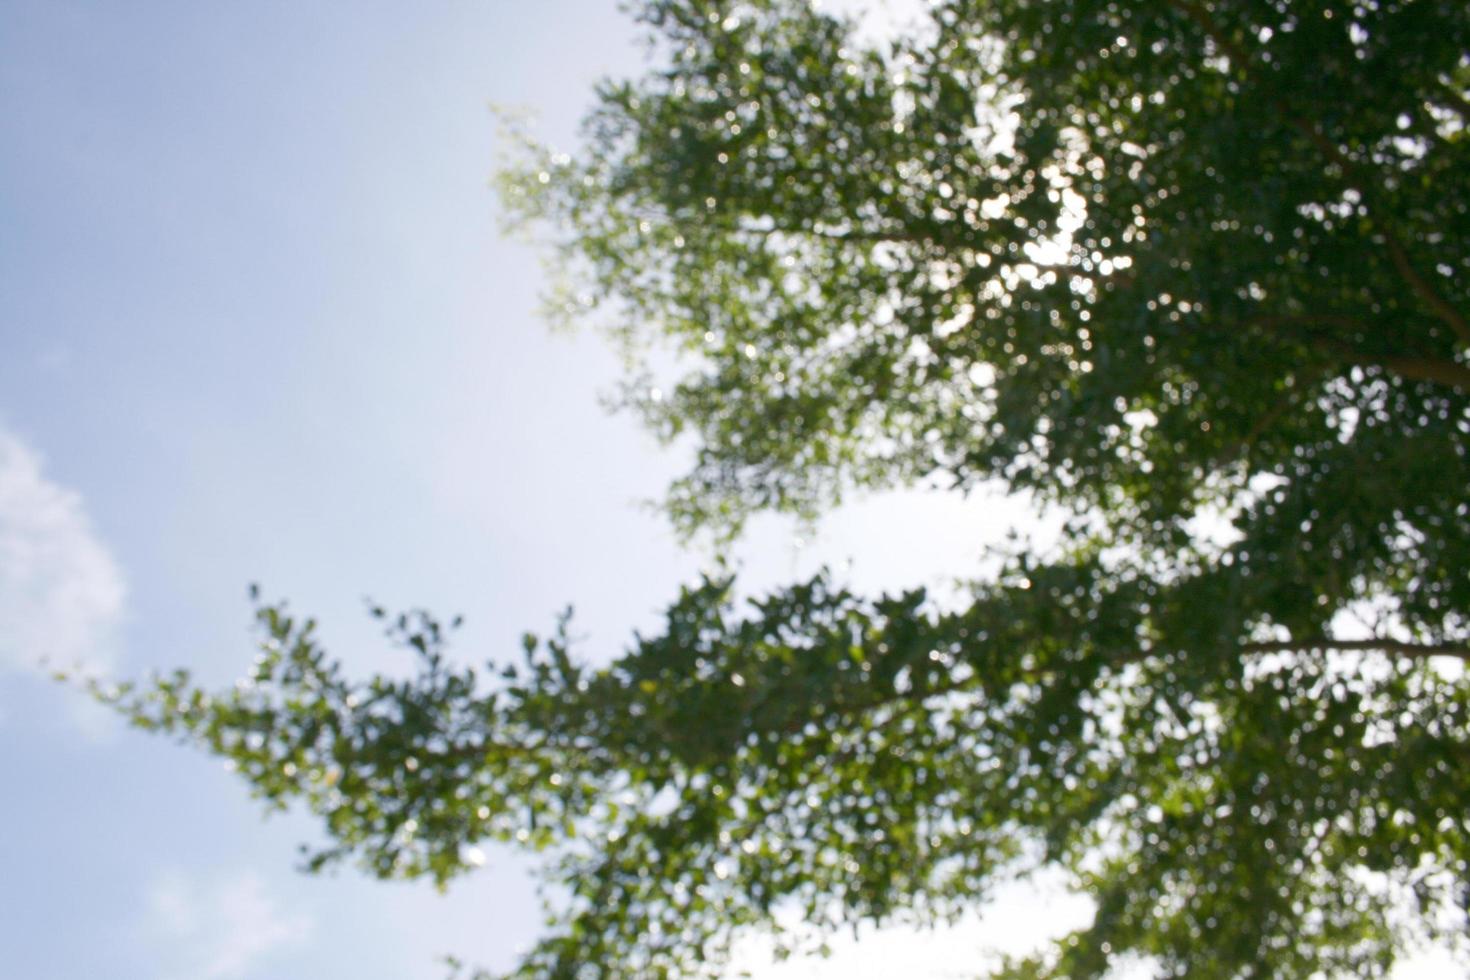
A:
[1195,274]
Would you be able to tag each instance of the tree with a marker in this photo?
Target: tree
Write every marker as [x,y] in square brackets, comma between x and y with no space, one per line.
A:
[1193,273]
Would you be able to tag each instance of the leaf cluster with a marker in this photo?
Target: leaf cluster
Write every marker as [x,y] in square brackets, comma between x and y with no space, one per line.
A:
[1193,272]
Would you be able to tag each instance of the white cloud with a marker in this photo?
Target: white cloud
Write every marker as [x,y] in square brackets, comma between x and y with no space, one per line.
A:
[61,592]
[1020,919]
[216,929]
[879,22]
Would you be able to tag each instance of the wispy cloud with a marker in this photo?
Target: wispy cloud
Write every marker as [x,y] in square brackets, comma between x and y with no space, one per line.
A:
[216,929]
[61,592]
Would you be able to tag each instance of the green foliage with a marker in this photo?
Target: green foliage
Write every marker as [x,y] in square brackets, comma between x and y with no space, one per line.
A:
[1195,273]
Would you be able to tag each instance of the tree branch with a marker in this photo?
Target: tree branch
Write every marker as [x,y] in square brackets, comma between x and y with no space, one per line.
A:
[1436,370]
[1421,287]
[1397,253]
[1450,374]
[1418,651]
[1457,102]
[1288,401]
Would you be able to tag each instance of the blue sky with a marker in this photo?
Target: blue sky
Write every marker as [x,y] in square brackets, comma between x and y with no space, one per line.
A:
[257,324]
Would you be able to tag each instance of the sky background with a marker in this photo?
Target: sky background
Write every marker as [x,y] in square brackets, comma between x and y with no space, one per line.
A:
[257,324]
